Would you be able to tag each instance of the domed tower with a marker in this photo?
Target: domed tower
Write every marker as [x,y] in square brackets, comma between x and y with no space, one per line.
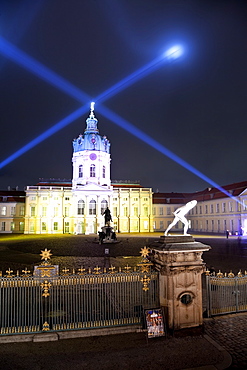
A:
[91,184]
[91,157]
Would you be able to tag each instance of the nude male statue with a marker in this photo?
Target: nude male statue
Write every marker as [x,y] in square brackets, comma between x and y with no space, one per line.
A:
[180,216]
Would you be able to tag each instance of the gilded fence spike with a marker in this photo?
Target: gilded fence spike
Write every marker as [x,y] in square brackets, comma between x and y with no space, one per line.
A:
[219,274]
[231,274]
[81,271]
[240,273]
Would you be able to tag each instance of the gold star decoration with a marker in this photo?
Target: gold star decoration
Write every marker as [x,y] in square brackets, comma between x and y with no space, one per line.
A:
[144,252]
[45,255]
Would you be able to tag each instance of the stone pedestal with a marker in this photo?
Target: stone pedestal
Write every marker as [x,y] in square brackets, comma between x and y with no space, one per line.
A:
[179,261]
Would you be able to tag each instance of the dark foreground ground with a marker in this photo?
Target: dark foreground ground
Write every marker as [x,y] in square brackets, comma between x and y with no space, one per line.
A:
[126,351]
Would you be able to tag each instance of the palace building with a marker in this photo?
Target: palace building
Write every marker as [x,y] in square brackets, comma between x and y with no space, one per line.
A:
[76,206]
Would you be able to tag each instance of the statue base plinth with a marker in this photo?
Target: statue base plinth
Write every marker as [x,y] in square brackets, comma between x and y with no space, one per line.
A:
[178,258]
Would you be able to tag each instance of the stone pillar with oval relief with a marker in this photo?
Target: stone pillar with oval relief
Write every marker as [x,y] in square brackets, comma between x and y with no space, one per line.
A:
[180,264]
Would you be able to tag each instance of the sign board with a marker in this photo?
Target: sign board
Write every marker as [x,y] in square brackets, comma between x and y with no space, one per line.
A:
[155,322]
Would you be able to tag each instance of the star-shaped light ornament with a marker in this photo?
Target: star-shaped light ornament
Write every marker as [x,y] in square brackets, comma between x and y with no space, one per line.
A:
[45,255]
[144,252]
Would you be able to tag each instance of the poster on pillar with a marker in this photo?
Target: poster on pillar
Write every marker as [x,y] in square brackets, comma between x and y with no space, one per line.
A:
[154,322]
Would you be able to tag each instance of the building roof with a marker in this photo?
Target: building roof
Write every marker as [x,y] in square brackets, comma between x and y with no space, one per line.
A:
[12,196]
[234,189]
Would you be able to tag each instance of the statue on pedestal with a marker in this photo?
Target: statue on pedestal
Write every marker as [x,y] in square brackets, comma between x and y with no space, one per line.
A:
[180,216]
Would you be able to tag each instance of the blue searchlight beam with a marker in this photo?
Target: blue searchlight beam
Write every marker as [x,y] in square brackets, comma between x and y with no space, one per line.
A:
[46,74]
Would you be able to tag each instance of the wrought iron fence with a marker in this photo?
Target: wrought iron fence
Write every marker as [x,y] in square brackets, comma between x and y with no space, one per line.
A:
[47,301]
[226,293]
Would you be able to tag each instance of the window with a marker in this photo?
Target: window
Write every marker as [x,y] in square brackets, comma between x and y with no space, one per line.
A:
[114,199]
[31,227]
[4,211]
[200,208]
[115,211]
[21,226]
[125,211]
[44,198]
[136,211]
[44,211]
[32,211]
[145,199]
[43,225]
[206,209]
[80,207]
[67,198]
[55,211]
[66,227]
[135,199]
[12,211]
[154,211]
[33,198]
[12,226]
[230,207]
[145,225]
[22,210]
[161,224]
[92,170]
[92,207]
[161,211]
[218,225]
[103,172]
[212,208]
[145,211]
[223,207]
[55,226]
[104,205]
[80,171]
[168,211]
[212,225]
[217,208]
[3,226]
[66,211]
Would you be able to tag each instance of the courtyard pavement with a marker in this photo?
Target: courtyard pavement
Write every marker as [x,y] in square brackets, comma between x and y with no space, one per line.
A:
[222,346]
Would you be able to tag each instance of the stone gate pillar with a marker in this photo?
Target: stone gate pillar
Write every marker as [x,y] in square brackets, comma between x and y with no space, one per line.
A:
[180,264]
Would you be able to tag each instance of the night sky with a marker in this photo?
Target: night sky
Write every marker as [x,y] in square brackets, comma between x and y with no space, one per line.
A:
[195,106]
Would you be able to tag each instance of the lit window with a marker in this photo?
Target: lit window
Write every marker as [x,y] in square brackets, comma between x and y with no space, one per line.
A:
[12,211]
[4,211]
[22,210]
[92,207]
[12,226]
[80,171]
[66,211]
[115,211]
[55,226]
[32,211]
[21,226]
[80,207]
[44,211]
[66,227]
[92,170]
[136,211]
[104,205]
[43,226]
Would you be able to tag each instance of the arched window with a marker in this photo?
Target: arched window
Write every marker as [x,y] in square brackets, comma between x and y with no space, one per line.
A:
[92,170]
[92,207]
[80,170]
[80,207]
[104,205]
[103,172]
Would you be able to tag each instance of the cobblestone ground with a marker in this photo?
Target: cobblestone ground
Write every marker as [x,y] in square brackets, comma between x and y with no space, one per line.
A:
[230,331]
